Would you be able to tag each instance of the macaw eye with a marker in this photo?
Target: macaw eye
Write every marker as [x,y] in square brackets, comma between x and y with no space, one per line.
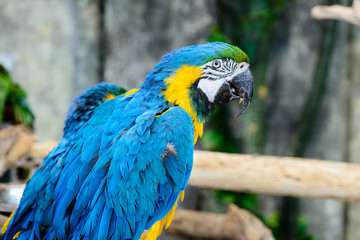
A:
[216,64]
[242,66]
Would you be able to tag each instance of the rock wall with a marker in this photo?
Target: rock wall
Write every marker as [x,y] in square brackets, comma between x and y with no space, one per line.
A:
[352,215]
[138,34]
[52,44]
[61,47]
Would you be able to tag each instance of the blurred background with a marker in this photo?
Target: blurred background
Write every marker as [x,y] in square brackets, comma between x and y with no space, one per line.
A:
[307,79]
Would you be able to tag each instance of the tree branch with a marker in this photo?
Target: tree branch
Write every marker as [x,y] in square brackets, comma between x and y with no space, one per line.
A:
[338,12]
[285,176]
[237,224]
[16,142]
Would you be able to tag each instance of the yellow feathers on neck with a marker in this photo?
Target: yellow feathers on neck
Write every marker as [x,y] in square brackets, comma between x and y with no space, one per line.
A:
[177,93]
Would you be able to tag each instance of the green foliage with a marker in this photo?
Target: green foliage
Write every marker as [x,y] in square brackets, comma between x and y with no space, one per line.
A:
[301,227]
[244,200]
[5,83]
[217,36]
[302,230]
[13,105]
[217,136]
[273,222]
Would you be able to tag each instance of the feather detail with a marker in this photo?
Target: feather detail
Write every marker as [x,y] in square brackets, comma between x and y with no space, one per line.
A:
[157,228]
[5,227]
[182,195]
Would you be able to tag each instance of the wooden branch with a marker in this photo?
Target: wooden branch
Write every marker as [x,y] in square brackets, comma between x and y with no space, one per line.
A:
[237,224]
[36,154]
[15,144]
[284,176]
[276,175]
[338,12]
[41,150]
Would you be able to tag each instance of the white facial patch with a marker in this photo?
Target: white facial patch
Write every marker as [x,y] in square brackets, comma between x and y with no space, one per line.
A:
[210,87]
[217,72]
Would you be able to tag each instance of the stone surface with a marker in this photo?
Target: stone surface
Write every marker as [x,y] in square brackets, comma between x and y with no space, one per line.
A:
[294,57]
[53,45]
[139,32]
[329,140]
[353,51]
[56,46]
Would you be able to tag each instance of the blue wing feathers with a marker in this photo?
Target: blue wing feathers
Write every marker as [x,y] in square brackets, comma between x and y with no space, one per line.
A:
[105,221]
[113,181]
[175,171]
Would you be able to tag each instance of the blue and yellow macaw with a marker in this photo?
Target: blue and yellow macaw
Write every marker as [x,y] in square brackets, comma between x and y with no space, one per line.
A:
[126,166]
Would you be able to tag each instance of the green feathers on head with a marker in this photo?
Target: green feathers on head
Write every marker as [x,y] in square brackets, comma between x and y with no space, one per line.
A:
[233,52]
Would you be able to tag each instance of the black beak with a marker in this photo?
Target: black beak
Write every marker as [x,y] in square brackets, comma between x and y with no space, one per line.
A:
[241,86]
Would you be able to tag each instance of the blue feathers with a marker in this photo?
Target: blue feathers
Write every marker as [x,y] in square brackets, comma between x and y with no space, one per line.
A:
[122,162]
[129,177]
[115,179]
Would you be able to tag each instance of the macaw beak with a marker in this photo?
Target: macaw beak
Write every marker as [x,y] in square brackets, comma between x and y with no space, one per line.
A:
[240,86]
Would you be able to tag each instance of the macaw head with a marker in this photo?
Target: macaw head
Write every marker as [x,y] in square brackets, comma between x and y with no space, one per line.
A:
[84,105]
[197,77]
